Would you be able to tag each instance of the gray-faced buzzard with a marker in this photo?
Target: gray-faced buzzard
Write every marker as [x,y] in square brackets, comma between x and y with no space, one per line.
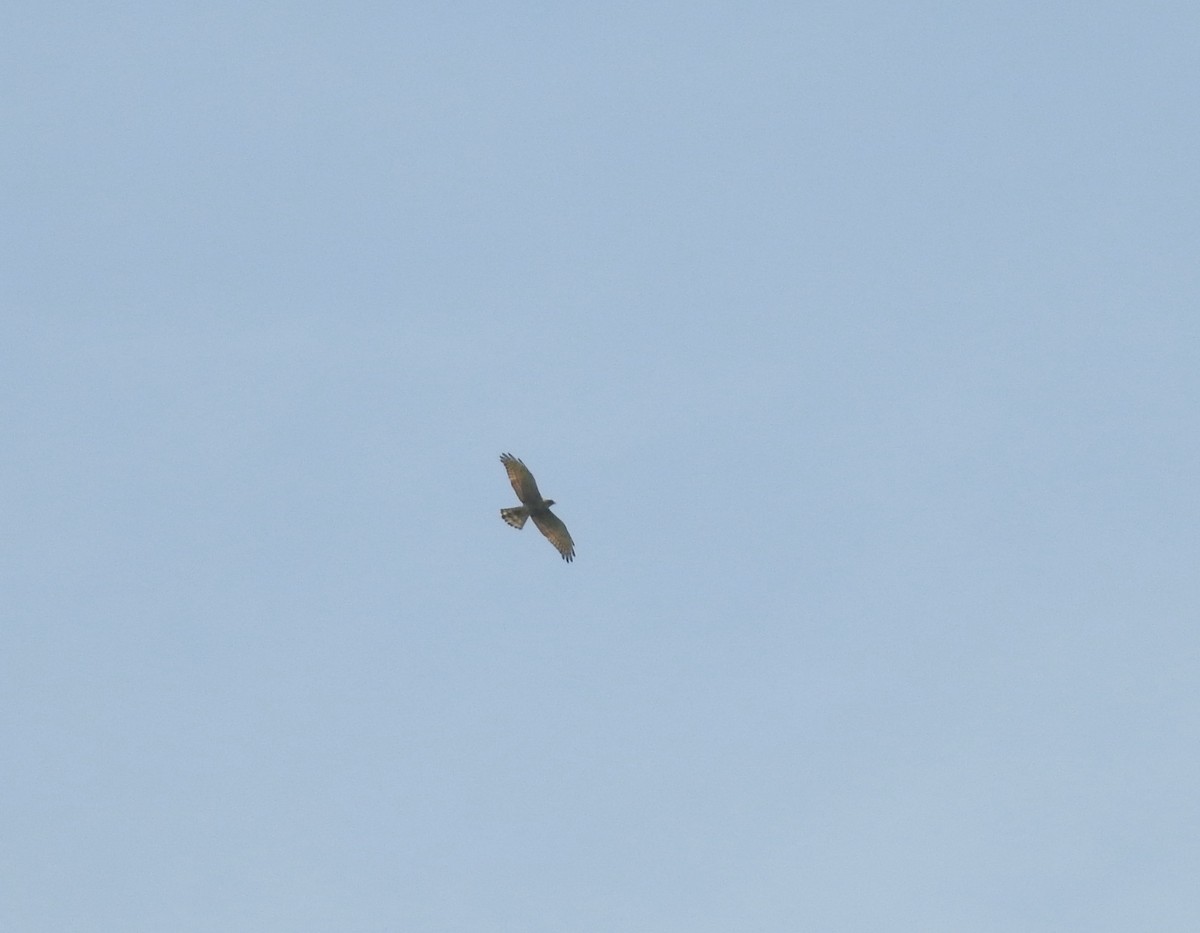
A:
[535,507]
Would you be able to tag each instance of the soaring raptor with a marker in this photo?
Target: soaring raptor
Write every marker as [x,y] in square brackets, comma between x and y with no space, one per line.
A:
[535,507]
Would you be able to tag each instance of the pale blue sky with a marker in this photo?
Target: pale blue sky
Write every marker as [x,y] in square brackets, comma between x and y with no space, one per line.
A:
[859,344]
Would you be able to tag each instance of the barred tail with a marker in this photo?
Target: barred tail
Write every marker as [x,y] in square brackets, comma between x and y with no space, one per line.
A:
[517,517]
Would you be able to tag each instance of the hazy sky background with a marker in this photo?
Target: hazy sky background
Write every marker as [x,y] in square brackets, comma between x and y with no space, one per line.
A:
[858,342]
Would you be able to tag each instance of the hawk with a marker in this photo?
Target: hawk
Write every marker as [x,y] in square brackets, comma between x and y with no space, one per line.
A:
[535,507]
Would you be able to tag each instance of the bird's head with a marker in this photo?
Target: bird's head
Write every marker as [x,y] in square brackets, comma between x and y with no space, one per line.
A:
[548,503]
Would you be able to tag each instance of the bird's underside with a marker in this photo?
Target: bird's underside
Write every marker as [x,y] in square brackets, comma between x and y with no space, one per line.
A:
[535,507]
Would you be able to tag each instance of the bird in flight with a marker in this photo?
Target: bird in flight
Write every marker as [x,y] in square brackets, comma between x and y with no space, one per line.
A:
[535,507]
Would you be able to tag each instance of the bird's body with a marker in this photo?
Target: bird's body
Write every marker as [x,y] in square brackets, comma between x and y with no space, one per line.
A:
[535,507]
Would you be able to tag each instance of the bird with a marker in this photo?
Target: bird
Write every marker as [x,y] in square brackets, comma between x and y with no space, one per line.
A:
[535,507]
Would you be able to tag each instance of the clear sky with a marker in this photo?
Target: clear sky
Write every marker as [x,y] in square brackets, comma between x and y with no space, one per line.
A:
[859,344]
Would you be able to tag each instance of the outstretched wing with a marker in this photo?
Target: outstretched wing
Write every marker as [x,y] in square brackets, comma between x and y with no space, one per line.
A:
[522,480]
[552,527]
